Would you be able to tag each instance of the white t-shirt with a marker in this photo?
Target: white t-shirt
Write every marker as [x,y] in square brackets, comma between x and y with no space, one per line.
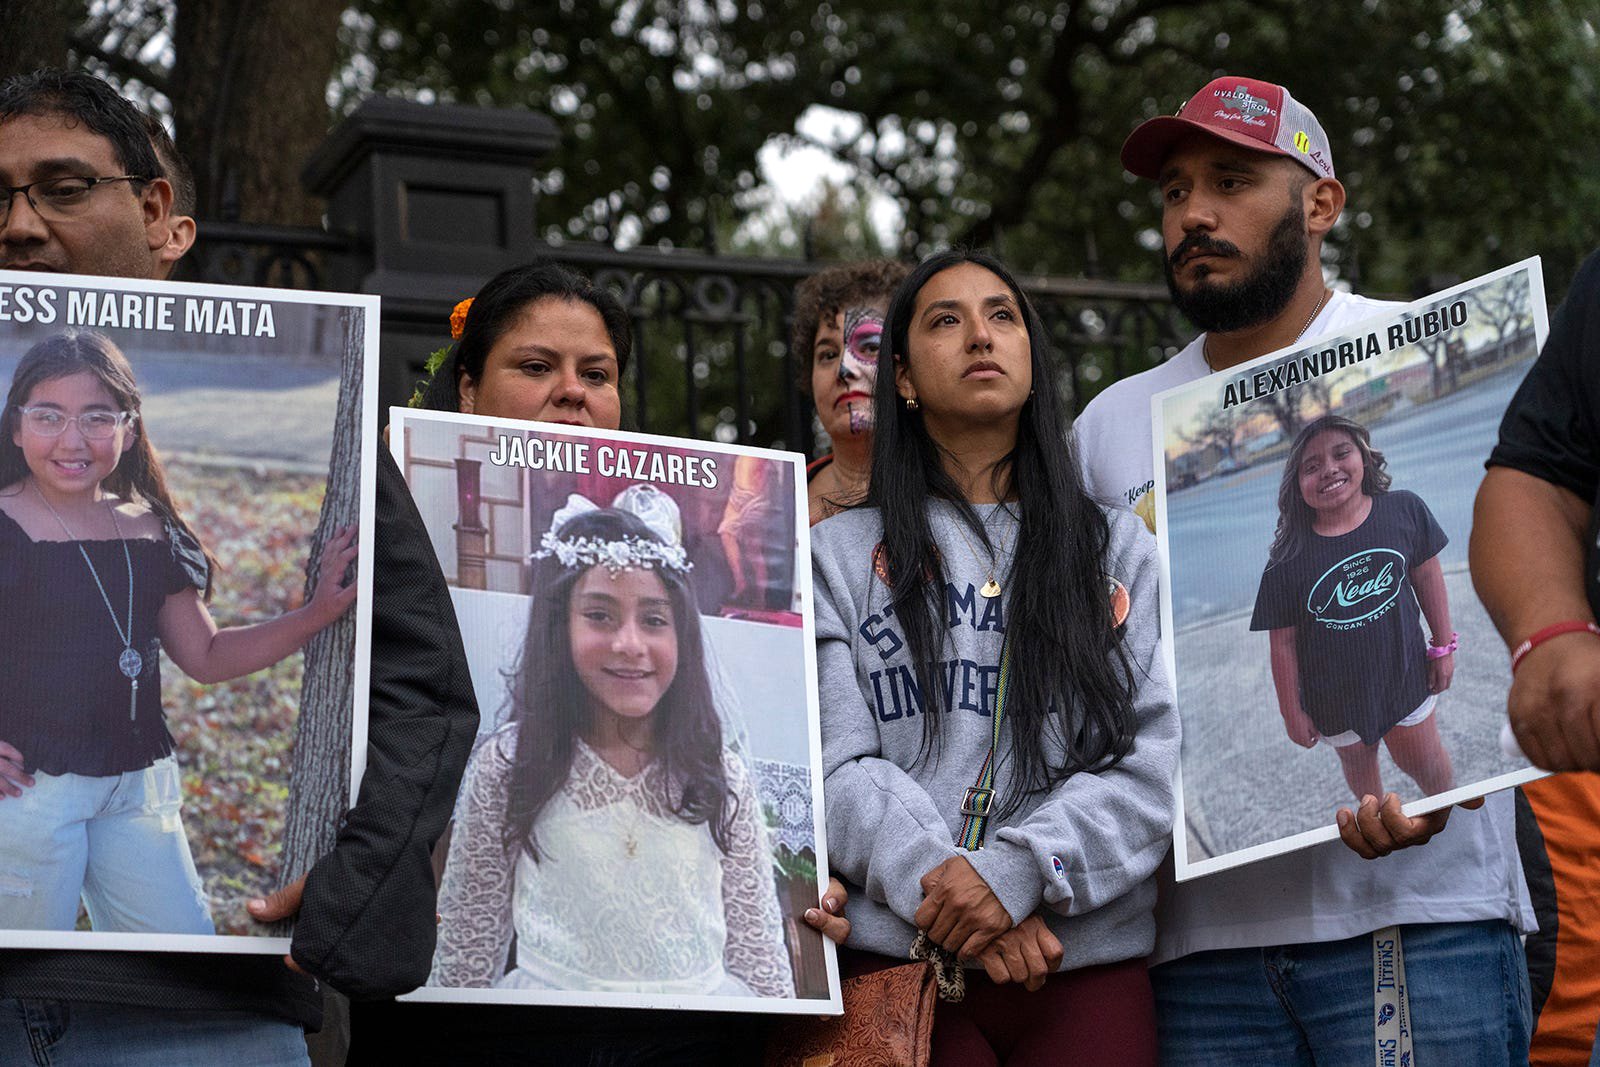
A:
[1468,872]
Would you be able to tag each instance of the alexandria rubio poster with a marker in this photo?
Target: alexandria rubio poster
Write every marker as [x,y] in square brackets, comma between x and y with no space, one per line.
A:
[1325,636]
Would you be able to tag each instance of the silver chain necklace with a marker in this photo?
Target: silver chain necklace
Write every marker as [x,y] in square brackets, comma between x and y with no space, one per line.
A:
[130,662]
[1205,345]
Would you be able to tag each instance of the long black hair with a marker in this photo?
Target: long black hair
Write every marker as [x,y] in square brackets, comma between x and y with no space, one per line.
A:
[550,705]
[1069,674]
[495,310]
[138,474]
[1295,516]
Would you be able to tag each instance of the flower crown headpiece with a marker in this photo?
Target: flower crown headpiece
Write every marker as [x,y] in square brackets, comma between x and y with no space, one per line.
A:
[650,505]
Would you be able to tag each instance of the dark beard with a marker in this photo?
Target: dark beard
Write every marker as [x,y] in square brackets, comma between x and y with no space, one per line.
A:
[1256,298]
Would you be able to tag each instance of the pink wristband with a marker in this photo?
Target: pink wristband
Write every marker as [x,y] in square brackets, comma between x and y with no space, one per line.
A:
[1441,651]
[1539,637]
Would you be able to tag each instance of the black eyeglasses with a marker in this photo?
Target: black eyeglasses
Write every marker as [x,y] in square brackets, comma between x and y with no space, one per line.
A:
[56,199]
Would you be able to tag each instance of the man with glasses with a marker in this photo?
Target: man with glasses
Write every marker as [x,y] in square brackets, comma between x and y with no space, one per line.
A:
[86,191]
[83,189]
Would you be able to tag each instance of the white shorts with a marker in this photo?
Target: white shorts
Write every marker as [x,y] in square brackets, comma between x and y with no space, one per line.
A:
[1350,737]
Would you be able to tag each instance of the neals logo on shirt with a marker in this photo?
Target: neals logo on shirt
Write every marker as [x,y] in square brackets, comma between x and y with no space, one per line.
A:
[1358,588]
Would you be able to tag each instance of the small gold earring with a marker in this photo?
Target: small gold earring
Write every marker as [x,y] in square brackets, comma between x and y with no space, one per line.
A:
[911,403]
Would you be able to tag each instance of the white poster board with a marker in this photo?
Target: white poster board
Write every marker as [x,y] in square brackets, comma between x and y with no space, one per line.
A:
[640,607]
[1335,624]
[158,809]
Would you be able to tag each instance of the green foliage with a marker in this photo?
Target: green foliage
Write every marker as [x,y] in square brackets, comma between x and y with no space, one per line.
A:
[662,105]
[1462,129]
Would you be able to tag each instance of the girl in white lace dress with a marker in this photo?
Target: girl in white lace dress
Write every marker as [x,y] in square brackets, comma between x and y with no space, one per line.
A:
[607,825]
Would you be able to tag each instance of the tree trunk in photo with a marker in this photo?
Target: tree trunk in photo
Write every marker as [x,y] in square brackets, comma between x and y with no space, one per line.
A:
[1285,408]
[319,783]
[35,34]
[249,97]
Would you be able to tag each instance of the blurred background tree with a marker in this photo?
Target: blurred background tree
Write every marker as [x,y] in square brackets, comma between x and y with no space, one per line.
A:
[1464,130]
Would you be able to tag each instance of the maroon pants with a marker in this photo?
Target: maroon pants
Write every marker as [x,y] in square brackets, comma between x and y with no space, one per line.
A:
[1089,1017]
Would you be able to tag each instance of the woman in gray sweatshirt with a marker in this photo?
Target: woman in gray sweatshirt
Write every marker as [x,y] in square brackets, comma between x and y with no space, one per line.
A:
[976,539]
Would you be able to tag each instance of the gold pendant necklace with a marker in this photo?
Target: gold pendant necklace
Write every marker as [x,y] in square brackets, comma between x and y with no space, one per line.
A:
[638,786]
[991,588]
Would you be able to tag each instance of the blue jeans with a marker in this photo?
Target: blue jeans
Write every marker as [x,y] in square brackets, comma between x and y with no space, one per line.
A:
[52,1033]
[1310,1005]
[118,841]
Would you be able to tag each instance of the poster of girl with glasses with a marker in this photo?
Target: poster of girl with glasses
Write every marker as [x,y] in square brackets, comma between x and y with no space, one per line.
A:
[164,560]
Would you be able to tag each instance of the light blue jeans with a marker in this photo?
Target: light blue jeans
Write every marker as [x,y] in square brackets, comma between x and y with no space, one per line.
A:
[118,841]
[53,1033]
[1311,1004]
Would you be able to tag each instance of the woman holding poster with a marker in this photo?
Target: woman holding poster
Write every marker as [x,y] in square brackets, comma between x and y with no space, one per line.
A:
[98,573]
[984,684]
[542,343]
[1350,563]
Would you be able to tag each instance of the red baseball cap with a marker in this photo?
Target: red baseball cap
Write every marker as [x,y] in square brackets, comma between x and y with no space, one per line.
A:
[1247,112]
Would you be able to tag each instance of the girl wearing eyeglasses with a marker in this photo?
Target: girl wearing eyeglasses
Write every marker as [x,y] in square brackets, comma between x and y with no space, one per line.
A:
[98,573]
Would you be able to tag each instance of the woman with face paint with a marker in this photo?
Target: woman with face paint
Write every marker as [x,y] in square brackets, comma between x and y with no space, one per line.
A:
[838,326]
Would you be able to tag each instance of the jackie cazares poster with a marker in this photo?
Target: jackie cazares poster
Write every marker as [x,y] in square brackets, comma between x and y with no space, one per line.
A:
[641,820]
[173,458]
[1316,509]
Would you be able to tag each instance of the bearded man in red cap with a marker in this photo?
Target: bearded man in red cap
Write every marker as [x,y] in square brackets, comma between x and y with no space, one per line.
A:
[1318,956]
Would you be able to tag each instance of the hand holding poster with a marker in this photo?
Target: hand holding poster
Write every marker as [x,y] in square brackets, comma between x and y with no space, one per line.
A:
[1326,640]
[170,540]
[640,823]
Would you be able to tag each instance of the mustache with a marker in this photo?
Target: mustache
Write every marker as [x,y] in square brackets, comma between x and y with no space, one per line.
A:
[1201,242]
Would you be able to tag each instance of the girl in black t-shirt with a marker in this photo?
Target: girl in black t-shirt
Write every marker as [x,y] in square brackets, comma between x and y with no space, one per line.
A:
[1349,566]
[99,571]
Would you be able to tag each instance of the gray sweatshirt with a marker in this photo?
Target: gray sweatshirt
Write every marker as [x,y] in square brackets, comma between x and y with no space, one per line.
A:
[1083,855]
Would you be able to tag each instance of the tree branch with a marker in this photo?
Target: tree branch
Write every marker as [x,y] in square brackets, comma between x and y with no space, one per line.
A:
[122,66]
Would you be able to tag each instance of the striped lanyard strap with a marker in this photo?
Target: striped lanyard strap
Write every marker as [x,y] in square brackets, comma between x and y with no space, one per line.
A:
[1391,1001]
[979,799]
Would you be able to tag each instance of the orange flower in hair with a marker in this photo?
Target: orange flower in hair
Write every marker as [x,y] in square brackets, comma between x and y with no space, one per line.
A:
[458,318]
[458,323]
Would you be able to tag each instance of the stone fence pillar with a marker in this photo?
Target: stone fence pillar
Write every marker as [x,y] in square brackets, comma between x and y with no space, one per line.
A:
[435,199]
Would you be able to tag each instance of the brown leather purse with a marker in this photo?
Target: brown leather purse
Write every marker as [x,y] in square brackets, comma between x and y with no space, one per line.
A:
[887,1022]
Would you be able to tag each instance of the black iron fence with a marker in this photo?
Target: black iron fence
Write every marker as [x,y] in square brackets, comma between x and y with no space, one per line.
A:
[426,202]
[712,356]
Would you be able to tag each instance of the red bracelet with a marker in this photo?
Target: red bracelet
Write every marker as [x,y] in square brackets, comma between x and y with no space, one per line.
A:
[1571,626]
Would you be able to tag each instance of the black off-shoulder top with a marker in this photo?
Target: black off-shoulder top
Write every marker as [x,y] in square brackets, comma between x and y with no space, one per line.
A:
[64,701]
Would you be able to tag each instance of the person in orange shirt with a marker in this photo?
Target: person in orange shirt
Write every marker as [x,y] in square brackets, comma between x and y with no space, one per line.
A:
[1534,560]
